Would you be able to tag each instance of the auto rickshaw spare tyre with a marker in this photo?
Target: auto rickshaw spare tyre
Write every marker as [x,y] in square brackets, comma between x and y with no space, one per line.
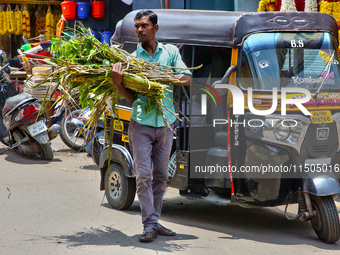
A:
[326,223]
[120,190]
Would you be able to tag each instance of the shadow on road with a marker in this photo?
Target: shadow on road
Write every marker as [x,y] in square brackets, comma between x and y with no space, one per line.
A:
[265,225]
[16,158]
[113,237]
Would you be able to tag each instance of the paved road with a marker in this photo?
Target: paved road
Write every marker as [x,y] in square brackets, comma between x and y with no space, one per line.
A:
[56,208]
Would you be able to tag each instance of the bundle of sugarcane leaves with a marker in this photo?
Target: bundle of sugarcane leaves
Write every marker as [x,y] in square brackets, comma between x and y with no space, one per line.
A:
[82,66]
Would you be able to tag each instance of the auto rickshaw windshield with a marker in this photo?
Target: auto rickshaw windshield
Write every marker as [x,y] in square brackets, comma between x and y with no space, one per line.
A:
[305,60]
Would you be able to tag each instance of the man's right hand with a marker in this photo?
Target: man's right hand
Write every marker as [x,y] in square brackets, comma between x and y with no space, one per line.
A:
[117,80]
[117,75]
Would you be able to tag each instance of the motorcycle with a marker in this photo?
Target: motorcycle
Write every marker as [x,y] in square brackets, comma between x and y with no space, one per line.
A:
[21,126]
[71,122]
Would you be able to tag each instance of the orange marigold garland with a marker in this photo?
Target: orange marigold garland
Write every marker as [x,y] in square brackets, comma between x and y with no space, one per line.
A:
[271,5]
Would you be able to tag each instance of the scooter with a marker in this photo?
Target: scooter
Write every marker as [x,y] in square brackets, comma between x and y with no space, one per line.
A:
[20,126]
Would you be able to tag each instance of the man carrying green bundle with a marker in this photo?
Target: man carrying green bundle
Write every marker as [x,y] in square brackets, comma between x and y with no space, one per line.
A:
[146,130]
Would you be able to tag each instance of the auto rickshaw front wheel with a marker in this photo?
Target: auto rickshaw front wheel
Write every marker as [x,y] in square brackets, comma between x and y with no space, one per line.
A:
[326,223]
[120,190]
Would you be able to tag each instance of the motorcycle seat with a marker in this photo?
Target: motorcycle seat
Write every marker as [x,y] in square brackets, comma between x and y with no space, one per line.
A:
[16,101]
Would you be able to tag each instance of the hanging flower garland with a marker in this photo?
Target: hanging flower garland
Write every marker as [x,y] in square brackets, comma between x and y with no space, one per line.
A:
[288,6]
[271,5]
[278,5]
[311,6]
[3,22]
[336,11]
[40,25]
[49,25]
[266,5]
[332,8]
[262,6]
[18,21]
[26,23]
[300,5]
[326,6]
[10,20]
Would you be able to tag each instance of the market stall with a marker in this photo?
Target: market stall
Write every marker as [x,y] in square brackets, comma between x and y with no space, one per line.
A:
[24,22]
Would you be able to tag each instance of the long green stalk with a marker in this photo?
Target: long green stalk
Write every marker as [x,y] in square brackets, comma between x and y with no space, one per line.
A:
[82,67]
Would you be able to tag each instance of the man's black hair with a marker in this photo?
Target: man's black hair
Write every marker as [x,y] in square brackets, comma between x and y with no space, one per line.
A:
[152,16]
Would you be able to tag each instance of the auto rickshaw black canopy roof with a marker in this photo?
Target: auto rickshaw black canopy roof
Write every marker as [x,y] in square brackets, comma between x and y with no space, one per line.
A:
[223,28]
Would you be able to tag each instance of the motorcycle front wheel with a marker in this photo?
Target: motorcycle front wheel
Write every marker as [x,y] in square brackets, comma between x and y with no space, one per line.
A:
[70,132]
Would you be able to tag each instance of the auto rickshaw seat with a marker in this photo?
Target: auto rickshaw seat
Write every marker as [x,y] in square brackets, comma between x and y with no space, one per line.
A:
[221,138]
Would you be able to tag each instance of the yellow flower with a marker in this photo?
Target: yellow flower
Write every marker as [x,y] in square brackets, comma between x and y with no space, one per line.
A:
[262,6]
[49,26]
[271,5]
[326,7]
[26,25]
[3,23]
[18,21]
[10,22]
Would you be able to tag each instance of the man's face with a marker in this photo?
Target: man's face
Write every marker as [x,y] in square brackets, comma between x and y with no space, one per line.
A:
[144,29]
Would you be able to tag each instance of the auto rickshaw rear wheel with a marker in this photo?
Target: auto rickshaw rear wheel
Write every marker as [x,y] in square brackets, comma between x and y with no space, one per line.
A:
[120,190]
[326,223]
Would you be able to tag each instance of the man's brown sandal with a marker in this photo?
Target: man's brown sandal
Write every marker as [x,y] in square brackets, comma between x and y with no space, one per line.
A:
[163,231]
[149,234]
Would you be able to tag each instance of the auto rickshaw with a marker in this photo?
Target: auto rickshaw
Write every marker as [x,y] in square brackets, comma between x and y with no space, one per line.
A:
[263,113]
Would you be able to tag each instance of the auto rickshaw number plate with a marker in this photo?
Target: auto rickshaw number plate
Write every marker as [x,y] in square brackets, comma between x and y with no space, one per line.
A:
[321,117]
[318,161]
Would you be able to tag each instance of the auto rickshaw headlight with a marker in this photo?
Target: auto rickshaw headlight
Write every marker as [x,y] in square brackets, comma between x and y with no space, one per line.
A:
[282,130]
[288,131]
